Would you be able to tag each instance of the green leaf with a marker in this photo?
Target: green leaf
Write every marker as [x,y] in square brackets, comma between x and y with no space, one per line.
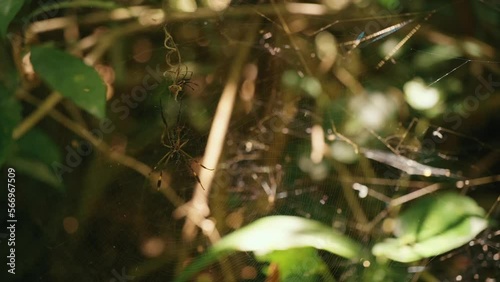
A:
[275,233]
[301,264]
[34,154]
[72,78]
[10,115]
[37,170]
[389,4]
[432,226]
[35,144]
[8,10]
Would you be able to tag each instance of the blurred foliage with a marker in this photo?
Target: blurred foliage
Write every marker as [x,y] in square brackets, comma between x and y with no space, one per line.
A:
[8,12]
[84,86]
[446,221]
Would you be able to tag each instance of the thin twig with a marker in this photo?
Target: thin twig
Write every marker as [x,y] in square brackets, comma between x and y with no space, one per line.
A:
[198,205]
[48,104]
[291,38]
[414,195]
[145,12]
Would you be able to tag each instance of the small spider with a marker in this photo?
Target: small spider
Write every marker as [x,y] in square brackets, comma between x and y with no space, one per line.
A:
[179,72]
[174,140]
[180,80]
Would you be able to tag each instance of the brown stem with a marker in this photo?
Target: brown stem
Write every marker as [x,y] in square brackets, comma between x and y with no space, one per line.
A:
[37,115]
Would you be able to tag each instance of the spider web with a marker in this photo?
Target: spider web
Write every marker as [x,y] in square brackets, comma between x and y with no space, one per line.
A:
[264,186]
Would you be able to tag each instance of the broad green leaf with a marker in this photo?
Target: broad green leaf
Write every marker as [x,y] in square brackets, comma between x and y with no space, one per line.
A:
[72,78]
[301,264]
[8,10]
[10,116]
[432,226]
[34,154]
[275,233]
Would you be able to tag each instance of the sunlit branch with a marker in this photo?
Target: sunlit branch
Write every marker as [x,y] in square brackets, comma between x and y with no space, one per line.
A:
[402,42]
[197,207]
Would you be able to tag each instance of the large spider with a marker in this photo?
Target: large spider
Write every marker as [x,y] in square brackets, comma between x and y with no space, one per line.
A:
[175,140]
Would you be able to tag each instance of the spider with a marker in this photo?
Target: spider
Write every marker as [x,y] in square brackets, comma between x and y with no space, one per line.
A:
[174,140]
[180,79]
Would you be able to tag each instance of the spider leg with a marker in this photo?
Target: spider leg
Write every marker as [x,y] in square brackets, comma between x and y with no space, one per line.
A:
[187,78]
[162,115]
[170,140]
[211,169]
[174,74]
[188,75]
[165,131]
[197,177]
[193,159]
[162,161]
[194,172]
[189,83]
[158,182]
[188,157]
